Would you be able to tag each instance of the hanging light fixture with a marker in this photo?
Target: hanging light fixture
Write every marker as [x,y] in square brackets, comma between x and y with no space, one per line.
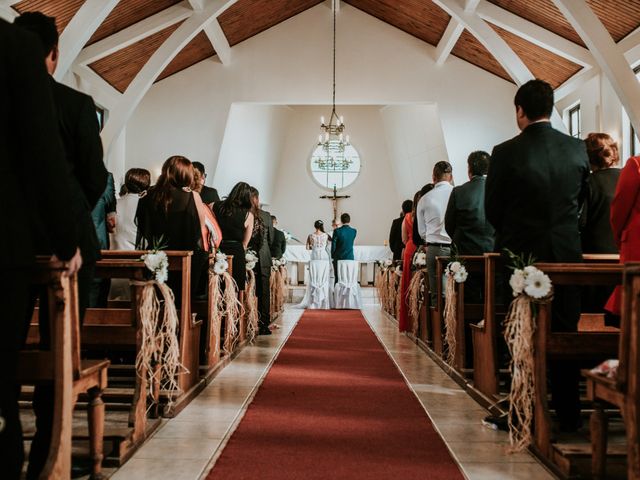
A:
[333,138]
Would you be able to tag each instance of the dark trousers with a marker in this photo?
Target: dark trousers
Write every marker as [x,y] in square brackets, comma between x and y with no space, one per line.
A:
[43,395]
[14,296]
[263,293]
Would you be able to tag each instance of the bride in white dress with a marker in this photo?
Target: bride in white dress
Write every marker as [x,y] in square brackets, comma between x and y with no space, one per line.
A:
[319,289]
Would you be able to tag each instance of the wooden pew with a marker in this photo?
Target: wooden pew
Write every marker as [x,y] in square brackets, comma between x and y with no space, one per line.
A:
[61,365]
[623,390]
[584,346]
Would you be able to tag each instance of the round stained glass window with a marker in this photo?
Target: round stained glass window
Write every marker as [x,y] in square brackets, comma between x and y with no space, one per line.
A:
[333,167]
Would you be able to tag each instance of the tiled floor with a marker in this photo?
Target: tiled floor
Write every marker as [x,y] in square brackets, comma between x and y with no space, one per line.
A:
[186,447]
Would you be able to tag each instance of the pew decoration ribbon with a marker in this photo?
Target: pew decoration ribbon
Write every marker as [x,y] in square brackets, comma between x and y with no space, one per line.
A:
[225,303]
[530,287]
[417,287]
[159,357]
[278,283]
[250,300]
[454,272]
[382,283]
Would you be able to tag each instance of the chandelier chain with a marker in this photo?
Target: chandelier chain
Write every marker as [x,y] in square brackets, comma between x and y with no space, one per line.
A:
[333,5]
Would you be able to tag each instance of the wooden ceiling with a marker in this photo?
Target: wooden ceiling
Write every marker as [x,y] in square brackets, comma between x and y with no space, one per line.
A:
[419,18]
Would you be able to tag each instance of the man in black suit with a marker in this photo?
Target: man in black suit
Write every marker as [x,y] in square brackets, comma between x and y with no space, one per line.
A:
[80,133]
[30,148]
[395,233]
[209,195]
[534,188]
[279,245]
[263,268]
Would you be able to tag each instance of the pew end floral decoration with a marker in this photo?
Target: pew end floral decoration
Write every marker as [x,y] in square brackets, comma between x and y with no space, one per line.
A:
[250,299]
[382,281]
[455,273]
[417,287]
[224,302]
[530,287]
[278,283]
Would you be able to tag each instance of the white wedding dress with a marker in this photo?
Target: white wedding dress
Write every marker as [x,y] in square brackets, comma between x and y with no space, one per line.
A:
[319,293]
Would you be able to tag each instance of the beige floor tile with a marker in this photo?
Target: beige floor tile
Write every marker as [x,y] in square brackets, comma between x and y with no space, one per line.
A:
[487,452]
[177,448]
[502,471]
[194,429]
[152,469]
[473,432]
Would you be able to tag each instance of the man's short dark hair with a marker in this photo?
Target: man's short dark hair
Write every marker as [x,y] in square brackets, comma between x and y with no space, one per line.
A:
[345,218]
[273,218]
[407,206]
[441,169]
[43,26]
[198,166]
[536,99]
[478,162]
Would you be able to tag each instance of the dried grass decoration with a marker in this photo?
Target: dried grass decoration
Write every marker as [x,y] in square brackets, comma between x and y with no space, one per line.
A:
[160,346]
[250,299]
[417,288]
[225,302]
[455,272]
[382,280]
[277,283]
[530,287]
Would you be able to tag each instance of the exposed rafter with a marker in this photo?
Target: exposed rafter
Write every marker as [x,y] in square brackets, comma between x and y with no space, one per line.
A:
[607,54]
[155,65]
[93,84]
[215,34]
[134,33]
[79,30]
[575,82]
[452,34]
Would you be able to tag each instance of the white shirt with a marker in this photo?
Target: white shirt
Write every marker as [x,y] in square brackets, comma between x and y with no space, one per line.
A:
[124,237]
[430,213]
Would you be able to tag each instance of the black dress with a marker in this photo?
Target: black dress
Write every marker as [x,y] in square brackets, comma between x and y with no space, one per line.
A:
[596,233]
[232,225]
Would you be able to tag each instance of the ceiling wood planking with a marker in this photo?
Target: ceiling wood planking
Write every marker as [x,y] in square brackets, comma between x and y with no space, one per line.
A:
[470,49]
[127,13]
[62,10]
[247,18]
[121,67]
[542,63]
[420,18]
[198,49]
[620,17]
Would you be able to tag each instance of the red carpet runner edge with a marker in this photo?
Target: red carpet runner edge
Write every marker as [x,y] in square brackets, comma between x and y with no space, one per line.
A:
[334,406]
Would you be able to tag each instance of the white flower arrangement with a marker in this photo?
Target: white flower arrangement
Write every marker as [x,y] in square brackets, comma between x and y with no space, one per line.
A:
[528,280]
[158,262]
[385,264]
[457,270]
[287,235]
[420,259]
[221,265]
[251,259]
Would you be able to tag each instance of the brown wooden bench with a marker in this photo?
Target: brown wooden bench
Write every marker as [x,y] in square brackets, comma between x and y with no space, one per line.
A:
[62,367]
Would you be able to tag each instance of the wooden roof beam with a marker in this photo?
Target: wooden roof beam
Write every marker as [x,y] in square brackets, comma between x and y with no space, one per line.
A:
[609,57]
[134,33]
[215,34]
[79,30]
[128,102]
[96,86]
[7,13]
[452,34]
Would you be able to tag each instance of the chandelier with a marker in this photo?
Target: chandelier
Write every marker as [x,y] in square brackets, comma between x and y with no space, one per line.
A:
[333,138]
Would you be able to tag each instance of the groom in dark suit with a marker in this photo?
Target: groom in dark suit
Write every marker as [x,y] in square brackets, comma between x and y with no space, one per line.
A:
[342,243]
[534,190]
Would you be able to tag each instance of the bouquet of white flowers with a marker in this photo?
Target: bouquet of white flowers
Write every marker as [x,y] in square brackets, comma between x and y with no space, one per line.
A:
[530,281]
[385,264]
[457,270]
[221,265]
[251,259]
[420,259]
[158,263]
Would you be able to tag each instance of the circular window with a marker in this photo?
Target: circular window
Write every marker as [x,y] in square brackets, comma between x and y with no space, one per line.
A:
[331,167]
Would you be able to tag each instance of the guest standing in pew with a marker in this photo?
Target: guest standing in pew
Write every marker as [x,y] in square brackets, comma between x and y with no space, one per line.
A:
[625,222]
[236,222]
[466,223]
[211,235]
[136,185]
[342,243]
[209,195]
[406,231]
[261,242]
[430,216]
[30,147]
[595,225]
[396,244]
[104,220]
[80,133]
[168,218]
[534,189]
[279,245]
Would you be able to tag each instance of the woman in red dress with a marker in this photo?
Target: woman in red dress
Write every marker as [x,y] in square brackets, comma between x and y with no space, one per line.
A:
[404,323]
[625,221]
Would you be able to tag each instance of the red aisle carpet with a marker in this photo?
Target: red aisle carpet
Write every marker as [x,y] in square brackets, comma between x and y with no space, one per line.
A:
[334,406]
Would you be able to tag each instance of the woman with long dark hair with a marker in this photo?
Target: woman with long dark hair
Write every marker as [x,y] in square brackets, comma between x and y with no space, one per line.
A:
[236,221]
[317,242]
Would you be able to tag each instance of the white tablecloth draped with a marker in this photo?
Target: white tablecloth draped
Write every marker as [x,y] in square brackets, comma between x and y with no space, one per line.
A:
[362,253]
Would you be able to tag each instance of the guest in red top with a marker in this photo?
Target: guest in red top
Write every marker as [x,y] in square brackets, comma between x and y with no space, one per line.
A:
[404,323]
[625,221]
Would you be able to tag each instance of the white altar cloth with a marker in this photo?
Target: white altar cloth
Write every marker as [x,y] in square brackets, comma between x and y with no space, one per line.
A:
[362,253]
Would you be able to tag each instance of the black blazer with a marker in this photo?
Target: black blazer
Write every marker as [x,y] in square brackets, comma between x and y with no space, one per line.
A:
[597,236]
[465,220]
[80,133]
[209,195]
[264,254]
[279,245]
[395,238]
[534,190]
[34,178]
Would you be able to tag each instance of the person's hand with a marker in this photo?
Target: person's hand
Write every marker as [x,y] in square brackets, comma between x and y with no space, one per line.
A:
[74,264]
[111,223]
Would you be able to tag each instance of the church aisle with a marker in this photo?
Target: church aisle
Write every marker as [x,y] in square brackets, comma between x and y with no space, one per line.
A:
[334,406]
